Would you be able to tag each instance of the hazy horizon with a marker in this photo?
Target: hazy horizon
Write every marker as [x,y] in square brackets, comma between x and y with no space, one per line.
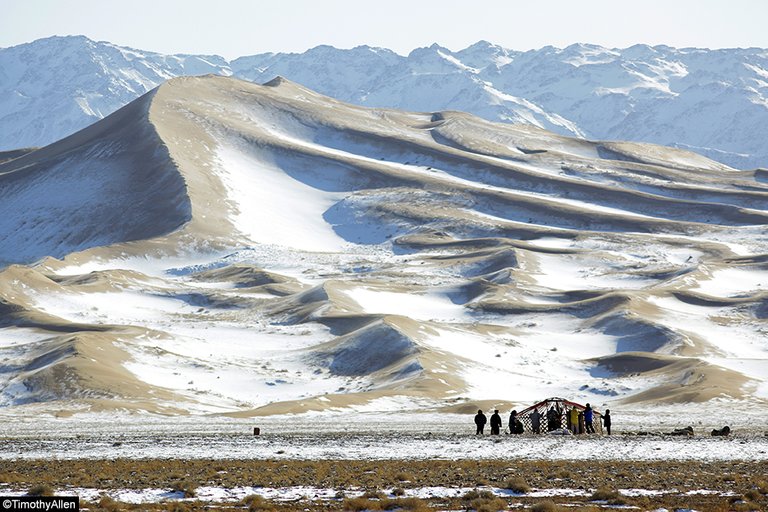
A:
[403,53]
[236,27]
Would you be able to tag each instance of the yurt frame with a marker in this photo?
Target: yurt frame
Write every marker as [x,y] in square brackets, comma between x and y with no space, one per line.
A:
[563,406]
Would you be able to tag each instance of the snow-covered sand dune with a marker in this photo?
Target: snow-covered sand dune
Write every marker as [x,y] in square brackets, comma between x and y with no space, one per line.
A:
[219,246]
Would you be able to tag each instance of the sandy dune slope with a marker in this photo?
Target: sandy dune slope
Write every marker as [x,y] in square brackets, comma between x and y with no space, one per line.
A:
[223,247]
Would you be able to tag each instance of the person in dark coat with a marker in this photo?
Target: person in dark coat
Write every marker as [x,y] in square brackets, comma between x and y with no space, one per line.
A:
[588,417]
[480,421]
[535,417]
[607,420]
[553,419]
[495,423]
[512,420]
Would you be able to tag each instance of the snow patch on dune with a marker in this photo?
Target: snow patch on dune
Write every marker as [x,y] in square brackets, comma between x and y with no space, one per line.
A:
[427,306]
[272,207]
[558,272]
[733,282]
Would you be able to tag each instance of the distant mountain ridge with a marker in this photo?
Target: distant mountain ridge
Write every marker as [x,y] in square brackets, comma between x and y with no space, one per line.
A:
[714,102]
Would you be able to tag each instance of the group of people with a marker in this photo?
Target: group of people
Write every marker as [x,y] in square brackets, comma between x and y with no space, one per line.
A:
[577,421]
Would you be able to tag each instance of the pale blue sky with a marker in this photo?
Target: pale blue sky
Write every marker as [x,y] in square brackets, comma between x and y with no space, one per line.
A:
[238,27]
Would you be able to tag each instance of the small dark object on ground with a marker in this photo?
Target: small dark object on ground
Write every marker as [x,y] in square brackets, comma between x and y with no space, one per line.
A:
[40,490]
[725,431]
[545,506]
[187,488]
[687,431]
[256,431]
[518,485]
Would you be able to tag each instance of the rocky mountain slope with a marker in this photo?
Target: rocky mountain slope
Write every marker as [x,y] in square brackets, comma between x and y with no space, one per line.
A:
[220,246]
[711,101]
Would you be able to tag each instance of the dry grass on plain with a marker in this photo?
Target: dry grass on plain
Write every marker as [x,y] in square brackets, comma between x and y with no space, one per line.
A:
[740,486]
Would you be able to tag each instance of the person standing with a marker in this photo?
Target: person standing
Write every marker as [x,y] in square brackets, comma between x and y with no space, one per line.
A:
[588,417]
[574,420]
[607,420]
[480,421]
[553,419]
[512,421]
[495,423]
[535,421]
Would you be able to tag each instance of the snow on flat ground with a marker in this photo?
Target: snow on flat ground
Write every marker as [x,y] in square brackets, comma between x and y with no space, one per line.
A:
[233,494]
[373,436]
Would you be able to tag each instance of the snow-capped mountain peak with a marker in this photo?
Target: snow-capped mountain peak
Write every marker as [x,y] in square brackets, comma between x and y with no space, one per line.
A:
[711,101]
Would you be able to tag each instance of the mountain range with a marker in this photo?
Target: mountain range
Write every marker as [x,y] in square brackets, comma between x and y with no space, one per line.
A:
[714,102]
